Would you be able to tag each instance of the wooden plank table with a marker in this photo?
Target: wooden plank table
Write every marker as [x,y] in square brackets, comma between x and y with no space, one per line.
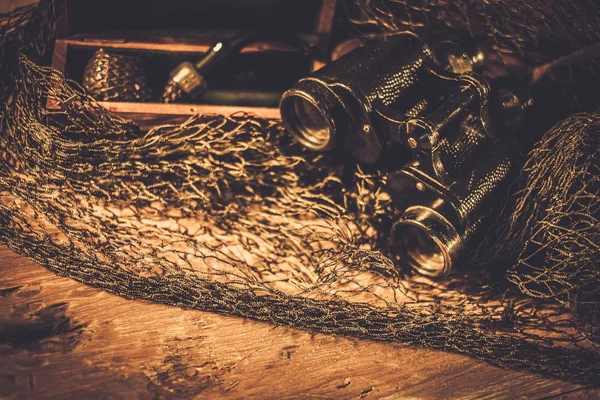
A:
[62,339]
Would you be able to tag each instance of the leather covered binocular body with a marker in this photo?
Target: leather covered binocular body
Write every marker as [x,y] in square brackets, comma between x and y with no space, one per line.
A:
[453,135]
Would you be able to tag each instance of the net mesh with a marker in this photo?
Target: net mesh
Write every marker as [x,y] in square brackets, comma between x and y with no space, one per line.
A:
[227,214]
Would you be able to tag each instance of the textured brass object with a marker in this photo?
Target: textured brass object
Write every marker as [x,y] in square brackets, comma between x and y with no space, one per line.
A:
[115,77]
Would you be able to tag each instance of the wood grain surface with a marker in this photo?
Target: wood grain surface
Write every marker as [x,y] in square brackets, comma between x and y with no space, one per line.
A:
[61,339]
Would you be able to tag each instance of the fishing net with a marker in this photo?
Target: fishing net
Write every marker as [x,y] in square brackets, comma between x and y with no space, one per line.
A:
[228,214]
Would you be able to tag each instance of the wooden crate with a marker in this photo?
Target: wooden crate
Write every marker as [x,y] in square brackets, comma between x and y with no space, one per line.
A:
[80,32]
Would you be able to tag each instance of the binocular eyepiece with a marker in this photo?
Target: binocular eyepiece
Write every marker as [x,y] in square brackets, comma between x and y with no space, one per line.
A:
[396,90]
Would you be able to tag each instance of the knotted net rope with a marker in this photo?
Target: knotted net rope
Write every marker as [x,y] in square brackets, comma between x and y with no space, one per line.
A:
[227,214]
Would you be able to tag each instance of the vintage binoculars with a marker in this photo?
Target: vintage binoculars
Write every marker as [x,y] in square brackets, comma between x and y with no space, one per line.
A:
[452,134]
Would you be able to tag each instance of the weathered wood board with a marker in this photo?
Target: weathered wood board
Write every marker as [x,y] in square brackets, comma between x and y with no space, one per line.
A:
[62,339]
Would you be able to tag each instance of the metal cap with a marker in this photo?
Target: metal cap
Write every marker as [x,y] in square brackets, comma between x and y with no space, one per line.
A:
[189,80]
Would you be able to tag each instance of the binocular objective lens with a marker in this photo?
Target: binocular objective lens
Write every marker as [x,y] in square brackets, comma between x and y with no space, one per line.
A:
[426,241]
[307,123]
[420,250]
